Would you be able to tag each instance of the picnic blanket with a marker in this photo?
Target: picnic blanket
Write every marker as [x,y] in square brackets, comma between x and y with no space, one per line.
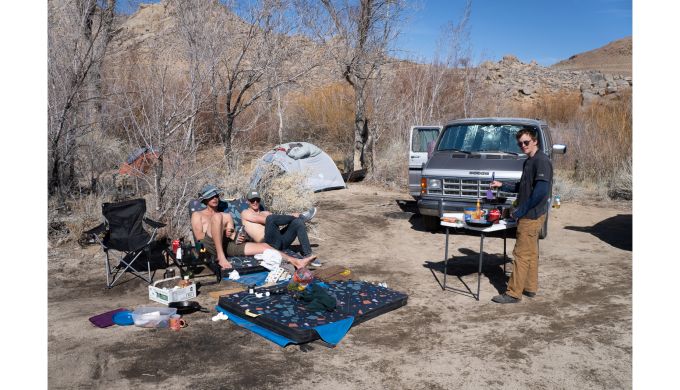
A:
[283,319]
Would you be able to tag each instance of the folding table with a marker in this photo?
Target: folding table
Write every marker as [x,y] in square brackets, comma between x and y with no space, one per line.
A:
[502,225]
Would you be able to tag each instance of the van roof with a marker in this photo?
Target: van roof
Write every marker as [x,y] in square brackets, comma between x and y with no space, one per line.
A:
[496,120]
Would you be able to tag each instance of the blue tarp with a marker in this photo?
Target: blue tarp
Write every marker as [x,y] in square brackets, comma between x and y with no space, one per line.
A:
[331,333]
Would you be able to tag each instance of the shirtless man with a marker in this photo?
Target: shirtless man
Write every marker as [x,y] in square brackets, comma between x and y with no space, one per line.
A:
[215,230]
[263,226]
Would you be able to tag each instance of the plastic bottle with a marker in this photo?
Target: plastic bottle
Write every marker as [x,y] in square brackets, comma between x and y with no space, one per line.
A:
[558,201]
[478,213]
[186,281]
[169,273]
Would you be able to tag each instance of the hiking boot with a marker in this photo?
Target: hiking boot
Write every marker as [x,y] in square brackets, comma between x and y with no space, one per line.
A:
[504,298]
[529,294]
[308,215]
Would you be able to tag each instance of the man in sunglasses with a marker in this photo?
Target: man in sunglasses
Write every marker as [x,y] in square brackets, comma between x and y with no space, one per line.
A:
[277,230]
[215,230]
[533,191]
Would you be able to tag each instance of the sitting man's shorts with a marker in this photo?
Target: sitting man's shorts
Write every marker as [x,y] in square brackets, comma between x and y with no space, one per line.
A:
[231,248]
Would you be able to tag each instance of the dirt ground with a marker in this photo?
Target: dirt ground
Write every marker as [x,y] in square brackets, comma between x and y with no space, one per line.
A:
[575,334]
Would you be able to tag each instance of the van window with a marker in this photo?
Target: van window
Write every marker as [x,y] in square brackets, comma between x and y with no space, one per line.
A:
[481,138]
[422,137]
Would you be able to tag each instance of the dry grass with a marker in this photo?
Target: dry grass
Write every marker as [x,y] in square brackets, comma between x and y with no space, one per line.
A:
[323,116]
[598,139]
[391,172]
[285,193]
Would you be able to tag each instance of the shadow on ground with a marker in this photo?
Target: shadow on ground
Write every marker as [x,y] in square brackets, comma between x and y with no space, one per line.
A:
[468,264]
[616,231]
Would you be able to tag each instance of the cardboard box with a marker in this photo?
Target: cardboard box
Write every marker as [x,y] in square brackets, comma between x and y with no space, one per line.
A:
[165,295]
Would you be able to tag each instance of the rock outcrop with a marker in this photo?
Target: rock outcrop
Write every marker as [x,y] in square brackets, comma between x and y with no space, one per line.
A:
[519,81]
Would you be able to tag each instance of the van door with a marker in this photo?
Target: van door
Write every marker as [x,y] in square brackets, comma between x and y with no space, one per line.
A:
[421,137]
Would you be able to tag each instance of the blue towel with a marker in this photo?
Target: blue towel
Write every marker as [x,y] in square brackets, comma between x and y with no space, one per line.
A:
[334,332]
[257,278]
[331,333]
[267,334]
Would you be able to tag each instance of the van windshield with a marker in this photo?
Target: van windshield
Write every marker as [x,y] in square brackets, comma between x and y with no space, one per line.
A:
[481,138]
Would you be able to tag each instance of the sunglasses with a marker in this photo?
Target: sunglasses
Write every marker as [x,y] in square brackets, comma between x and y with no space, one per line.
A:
[254,200]
[214,196]
[525,143]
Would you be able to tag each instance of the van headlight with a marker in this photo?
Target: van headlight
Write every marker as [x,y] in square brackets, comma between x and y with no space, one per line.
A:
[431,186]
[434,184]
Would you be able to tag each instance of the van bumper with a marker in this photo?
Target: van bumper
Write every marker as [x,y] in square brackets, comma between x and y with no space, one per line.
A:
[436,207]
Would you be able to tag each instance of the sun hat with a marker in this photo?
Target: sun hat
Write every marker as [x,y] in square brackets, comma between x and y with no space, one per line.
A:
[208,191]
[253,194]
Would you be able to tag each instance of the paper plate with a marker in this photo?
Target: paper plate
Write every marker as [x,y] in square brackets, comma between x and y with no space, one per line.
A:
[123,318]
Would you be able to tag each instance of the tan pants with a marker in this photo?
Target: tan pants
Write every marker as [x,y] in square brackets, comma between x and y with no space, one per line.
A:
[525,264]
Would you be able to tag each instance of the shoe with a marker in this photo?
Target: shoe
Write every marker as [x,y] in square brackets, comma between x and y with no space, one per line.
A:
[529,294]
[308,215]
[315,263]
[504,298]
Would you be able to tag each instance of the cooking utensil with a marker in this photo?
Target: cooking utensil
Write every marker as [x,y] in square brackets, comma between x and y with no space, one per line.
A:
[187,307]
[489,192]
[493,216]
[478,223]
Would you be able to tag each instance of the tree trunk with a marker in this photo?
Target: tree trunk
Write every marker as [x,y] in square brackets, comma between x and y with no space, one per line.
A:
[158,177]
[279,112]
[226,142]
[55,173]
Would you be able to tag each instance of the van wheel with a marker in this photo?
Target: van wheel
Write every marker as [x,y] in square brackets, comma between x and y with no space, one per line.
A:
[544,230]
[430,223]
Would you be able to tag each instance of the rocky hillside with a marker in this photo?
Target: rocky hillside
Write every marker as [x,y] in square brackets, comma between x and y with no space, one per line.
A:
[152,33]
[614,58]
[510,78]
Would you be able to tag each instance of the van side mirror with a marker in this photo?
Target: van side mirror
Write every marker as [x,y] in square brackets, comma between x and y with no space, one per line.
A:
[559,148]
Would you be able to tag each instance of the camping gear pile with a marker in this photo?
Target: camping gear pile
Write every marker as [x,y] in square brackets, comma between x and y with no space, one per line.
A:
[273,297]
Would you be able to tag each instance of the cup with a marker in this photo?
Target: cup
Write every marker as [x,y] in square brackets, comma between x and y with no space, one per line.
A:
[177,323]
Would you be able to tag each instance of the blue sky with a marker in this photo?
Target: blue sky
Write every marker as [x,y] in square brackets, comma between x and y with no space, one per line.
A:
[543,30]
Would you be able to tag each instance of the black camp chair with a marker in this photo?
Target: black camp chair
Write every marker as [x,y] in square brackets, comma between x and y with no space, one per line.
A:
[123,231]
[192,258]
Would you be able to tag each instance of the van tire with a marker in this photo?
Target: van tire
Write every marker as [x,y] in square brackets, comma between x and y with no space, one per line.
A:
[544,230]
[430,223]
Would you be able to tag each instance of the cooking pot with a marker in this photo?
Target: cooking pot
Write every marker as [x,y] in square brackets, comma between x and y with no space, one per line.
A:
[493,215]
[187,307]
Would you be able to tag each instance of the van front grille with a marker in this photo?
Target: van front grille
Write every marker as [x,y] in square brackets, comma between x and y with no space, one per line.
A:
[470,188]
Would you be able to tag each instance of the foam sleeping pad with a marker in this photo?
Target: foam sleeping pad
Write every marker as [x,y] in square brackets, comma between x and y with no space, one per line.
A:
[284,315]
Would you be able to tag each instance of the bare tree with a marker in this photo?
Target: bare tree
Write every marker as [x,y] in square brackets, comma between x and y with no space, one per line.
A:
[359,35]
[202,30]
[255,50]
[78,35]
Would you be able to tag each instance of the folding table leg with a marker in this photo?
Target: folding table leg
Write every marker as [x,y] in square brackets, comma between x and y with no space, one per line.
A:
[481,258]
[505,253]
[446,257]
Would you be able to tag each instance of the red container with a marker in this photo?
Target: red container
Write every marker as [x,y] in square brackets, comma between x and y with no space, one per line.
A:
[493,216]
[175,245]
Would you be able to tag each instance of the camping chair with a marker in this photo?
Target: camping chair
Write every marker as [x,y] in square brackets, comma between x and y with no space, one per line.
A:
[193,258]
[123,232]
